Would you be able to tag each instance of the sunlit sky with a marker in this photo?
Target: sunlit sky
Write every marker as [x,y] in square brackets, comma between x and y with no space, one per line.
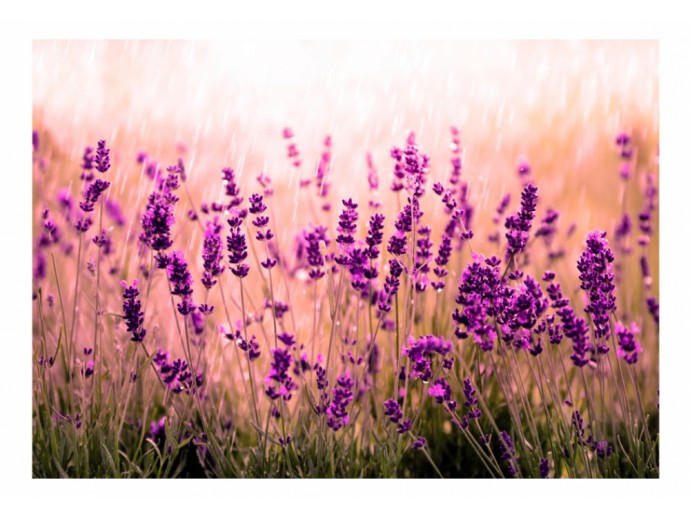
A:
[556,104]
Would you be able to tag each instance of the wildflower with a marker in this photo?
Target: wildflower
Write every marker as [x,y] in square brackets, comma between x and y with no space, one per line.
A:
[315,258]
[236,245]
[419,443]
[519,225]
[440,391]
[131,309]
[181,281]
[597,281]
[212,254]
[102,158]
[342,397]
[471,402]
[628,347]
[481,297]
[574,327]
[507,453]
[158,218]
[444,251]
[92,194]
[421,352]
[250,347]
[87,164]
[346,228]
[281,384]
[544,468]
[392,410]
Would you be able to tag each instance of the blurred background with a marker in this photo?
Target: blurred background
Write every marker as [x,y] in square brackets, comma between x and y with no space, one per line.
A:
[556,104]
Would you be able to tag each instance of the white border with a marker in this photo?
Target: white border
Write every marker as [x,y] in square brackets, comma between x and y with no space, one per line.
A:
[402,19]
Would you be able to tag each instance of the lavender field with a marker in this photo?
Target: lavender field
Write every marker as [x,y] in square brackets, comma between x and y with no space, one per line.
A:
[433,260]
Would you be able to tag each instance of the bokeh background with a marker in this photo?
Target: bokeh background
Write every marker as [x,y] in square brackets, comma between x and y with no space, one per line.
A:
[556,104]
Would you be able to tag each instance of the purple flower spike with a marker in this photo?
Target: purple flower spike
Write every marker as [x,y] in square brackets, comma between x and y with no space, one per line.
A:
[181,281]
[507,451]
[342,397]
[212,254]
[315,258]
[102,157]
[236,245]
[596,278]
[628,347]
[131,309]
[393,410]
[281,384]
[520,224]
[544,468]
[421,353]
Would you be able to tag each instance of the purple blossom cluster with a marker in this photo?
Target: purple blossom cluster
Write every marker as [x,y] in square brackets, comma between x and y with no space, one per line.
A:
[471,402]
[575,328]
[391,285]
[421,353]
[441,392]
[159,217]
[176,374]
[480,297]
[342,396]
[279,379]
[507,454]
[181,281]
[519,225]
[212,254]
[131,310]
[628,347]
[236,245]
[316,238]
[596,279]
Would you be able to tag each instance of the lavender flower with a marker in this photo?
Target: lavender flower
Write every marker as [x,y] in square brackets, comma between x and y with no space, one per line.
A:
[315,258]
[212,254]
[519,225]
[181,281]
[392,410]
[280,382]
[471,402]
[507,454]
[626,153]
[421,353]
[158,218]
[419,443]
[574,327]
[481,297]
[236,244]
[346,229]
[176,374]
[92,194]
[102,157]
[322,171]
[544,468]
[440,391]
[597,281]
[342,397]
[87,164]
[442,258]
[391,286]
[131,309]
[628,347]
